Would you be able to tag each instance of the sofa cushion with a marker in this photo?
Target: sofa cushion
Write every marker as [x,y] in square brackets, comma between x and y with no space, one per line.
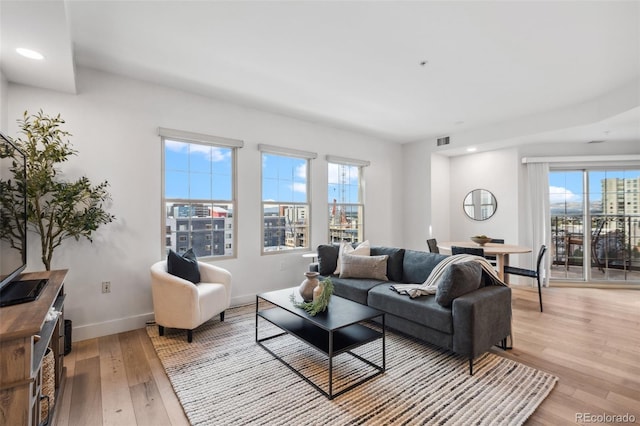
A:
[327,259]
[423,310]
[394,262]
[374,267]
[185,266]
[458,279]
[362,249]
[355,289]
[417,265]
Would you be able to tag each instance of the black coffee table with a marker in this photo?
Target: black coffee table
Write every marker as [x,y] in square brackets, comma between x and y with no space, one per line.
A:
[333,332]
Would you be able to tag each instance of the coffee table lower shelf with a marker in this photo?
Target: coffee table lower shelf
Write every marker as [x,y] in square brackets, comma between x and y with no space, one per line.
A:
[329,342]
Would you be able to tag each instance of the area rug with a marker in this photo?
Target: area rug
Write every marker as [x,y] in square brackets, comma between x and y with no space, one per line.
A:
[224,378]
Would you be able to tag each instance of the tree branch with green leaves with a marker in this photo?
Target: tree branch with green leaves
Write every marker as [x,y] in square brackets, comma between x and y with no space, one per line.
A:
[57,209]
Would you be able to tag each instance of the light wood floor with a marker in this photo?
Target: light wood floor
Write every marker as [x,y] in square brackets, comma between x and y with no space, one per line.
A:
[589,338]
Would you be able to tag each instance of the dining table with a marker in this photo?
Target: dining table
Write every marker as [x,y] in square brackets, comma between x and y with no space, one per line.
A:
[499,250]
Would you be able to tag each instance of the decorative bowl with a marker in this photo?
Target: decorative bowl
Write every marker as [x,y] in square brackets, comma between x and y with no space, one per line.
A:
[481,239]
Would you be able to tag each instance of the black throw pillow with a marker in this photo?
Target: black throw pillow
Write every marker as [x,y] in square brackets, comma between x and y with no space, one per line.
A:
[185,266]
[327,259]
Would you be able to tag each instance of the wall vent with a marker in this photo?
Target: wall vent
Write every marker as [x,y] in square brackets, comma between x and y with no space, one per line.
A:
[443,141]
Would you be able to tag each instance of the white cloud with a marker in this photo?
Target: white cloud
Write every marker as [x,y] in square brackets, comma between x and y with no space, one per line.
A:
[301,171]
[176,146]
[558,194]
[213,154]
[299,187]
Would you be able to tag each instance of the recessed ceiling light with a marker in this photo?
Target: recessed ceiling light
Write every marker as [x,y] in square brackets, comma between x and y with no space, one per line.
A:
[28,53]
[472,149]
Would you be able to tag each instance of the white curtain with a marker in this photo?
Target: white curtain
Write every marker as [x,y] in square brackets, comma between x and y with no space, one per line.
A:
[539,214]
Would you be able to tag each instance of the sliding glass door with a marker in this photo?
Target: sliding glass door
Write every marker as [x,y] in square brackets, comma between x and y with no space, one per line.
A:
[595,219]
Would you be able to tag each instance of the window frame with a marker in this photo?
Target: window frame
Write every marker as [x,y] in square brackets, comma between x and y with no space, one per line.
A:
[293,153]
[360,164]
[212,141]
[587,216]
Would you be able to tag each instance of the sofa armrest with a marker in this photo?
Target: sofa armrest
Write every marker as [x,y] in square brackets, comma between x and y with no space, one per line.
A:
[481,319]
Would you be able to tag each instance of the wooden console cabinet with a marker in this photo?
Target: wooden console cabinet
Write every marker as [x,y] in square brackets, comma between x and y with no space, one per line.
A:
[21,351]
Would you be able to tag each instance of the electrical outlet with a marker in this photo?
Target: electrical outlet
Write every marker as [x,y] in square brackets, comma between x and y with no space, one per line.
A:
[106,286]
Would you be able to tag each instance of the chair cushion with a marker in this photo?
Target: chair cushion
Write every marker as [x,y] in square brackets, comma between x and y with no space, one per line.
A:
[355,289]
[185,266]
[417,265]
[458,279]
[423,310]
[394,262]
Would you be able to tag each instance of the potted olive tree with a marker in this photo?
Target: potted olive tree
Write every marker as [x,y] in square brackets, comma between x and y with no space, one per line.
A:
[57,209]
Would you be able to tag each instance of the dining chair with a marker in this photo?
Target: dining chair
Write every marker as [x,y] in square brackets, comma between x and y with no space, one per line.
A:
[529,272]
[477,251]
[433,245]
[179,303]
[493,259]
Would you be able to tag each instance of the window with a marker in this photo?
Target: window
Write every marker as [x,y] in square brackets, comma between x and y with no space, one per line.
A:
[199,184]
[595,224]
[346,206]
[286,204]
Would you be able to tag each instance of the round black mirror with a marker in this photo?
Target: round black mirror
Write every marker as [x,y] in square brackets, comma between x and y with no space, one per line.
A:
[480,204]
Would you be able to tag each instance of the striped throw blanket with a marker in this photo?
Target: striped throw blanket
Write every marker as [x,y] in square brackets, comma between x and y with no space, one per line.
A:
[430,286]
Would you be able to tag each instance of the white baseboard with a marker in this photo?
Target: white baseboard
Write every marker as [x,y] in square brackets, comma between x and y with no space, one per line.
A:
[121,325]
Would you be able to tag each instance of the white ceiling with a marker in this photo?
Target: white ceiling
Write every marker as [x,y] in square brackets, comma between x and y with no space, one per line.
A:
[354,65]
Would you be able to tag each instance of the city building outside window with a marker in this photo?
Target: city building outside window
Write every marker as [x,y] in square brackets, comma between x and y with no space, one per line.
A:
[346,199]
[286,204]
[199,194]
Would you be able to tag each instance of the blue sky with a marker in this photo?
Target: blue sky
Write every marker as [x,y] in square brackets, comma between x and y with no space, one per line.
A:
[284,178]
[343,183]
[567,185]
[195,171]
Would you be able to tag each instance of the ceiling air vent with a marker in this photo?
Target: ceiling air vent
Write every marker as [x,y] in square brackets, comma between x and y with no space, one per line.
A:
[443,141]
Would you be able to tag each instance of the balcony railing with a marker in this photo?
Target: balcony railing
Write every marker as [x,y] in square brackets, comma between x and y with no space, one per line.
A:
[612,242]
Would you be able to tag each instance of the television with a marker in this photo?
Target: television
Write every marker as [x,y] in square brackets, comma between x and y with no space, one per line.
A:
[13,230]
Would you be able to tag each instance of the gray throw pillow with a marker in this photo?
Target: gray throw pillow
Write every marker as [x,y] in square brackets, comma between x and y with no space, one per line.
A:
[457,280]
[373,267]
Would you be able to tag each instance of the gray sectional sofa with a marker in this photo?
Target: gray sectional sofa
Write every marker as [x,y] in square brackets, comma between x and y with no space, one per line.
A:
[470,324]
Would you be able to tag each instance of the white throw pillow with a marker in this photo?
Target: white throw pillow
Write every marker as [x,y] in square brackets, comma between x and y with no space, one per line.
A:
[362,249]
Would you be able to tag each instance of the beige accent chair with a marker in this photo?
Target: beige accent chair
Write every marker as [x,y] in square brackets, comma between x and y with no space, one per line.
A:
[178,303]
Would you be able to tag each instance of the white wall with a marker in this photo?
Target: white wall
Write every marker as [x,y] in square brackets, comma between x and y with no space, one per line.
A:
[497,172]
[440,198]
[114,124]
[416,211]
[4,90]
